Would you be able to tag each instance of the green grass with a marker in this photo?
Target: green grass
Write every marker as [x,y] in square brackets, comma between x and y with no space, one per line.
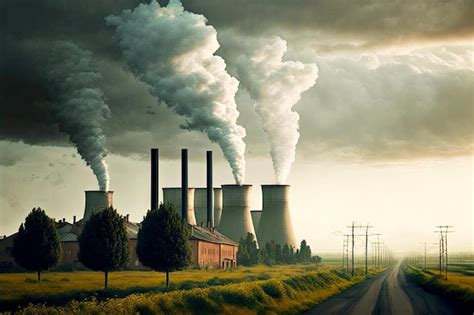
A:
[458,288]
[282,295]
[58,288]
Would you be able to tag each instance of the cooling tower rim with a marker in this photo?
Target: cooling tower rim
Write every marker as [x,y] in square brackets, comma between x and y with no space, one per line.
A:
[256,210]
[206,187]
[98,191]
[236,185]
[275,185]
[177,188]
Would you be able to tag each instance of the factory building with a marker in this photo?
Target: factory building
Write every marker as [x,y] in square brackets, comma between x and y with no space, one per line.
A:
[218,219]
[209,247]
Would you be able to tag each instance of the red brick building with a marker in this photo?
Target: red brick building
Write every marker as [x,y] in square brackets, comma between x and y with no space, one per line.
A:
[210,249]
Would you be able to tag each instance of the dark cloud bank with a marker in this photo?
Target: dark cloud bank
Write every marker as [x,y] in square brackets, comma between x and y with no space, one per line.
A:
[397,107]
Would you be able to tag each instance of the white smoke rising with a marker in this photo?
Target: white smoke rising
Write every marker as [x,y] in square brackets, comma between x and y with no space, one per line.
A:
[173,51]
[276,86]
[79,105]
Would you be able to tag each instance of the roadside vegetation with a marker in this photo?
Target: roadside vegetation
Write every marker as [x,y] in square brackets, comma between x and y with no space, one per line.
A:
[58,288]
[458,288]
[280,294]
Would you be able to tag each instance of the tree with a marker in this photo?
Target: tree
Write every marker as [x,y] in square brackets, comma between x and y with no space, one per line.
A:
[36,246]
[163,241]
[103,244]
[305,252]
[285,254]
[278,254]
[267,253]
[248,252]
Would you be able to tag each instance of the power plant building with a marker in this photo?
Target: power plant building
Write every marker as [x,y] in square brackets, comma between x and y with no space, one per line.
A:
[218,219]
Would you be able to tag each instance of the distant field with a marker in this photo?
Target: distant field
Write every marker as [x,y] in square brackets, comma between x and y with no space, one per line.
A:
[59,288]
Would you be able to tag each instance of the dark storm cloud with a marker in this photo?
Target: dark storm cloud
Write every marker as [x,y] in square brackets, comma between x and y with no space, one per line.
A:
[388,110]
[365,23]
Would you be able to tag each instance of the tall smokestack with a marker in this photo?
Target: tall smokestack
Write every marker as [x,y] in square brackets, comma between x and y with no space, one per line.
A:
[210,199]
[174,195]
[184,185]
[236,221]
[96,201]
[275,222]
[154,179]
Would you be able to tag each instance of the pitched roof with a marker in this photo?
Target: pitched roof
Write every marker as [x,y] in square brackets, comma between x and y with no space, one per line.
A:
[210,235]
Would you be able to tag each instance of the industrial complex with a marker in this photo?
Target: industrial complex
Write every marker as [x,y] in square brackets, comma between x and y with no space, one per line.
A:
[218,218]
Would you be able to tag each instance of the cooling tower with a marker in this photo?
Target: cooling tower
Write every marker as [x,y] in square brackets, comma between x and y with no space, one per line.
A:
[97,201]
[256,214]
[174,196]
[236,221]
[217,206]
[275,222]
[200,205]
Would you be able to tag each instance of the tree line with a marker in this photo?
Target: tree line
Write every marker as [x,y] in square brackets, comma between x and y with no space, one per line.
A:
[272,253]
[162,242]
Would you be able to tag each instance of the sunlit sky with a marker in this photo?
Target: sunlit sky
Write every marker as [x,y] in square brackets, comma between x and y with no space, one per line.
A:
[386,132]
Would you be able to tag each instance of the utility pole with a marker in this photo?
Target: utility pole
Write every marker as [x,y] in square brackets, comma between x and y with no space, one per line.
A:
[347,252]
[424,262]
[444,246]
[352,248]
[366,227]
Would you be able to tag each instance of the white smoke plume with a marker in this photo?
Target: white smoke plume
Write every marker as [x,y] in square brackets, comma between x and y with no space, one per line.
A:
[79,104]
[276,86]
[172,50]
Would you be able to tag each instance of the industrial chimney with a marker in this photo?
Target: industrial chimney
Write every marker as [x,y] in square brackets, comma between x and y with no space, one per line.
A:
[185,202]
[236,221]
[154,179]
[174,196]
[209,191]
[275,222]
[256,214]
[200,205]
[96,201]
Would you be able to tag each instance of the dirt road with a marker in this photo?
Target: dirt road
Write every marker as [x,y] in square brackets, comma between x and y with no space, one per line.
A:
[387,293]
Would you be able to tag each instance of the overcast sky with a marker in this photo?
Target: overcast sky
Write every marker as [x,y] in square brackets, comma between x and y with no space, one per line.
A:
[386,132]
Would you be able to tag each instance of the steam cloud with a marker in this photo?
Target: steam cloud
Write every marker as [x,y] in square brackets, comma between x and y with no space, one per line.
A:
[173,51]
[79,105]
[276,86]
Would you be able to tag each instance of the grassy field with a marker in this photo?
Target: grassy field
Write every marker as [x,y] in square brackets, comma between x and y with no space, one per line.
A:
[282,294]
[59,289]
[458,288]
